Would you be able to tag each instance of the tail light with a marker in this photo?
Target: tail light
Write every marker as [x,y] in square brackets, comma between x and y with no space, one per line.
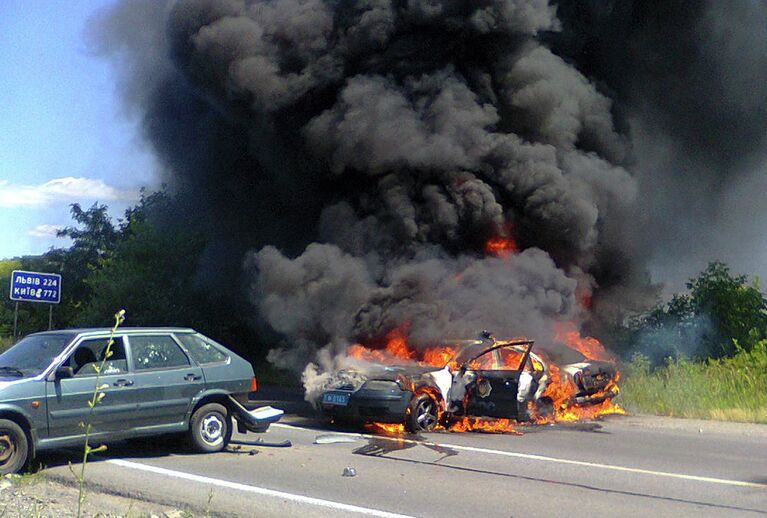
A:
[578,378]
[253,384]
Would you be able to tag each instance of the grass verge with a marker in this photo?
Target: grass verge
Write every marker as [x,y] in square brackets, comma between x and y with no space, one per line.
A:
[5,343]
[730,389]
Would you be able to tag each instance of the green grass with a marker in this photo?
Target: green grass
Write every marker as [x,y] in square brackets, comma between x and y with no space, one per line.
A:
[730,389]
[5,343]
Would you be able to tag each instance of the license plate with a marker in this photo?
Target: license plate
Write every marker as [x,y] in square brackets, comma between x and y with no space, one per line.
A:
[333,398]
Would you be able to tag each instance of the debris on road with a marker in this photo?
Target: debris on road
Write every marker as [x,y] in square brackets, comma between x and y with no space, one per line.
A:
[349,472]
[260,442]
[333,438]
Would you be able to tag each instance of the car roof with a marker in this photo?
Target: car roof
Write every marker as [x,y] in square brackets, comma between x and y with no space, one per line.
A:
[121,330]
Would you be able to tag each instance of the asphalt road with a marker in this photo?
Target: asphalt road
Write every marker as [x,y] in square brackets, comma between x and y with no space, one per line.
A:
[625,466]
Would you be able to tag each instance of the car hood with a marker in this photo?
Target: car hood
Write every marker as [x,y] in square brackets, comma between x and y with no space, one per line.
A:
[392,372]
[353,379]
[7,382]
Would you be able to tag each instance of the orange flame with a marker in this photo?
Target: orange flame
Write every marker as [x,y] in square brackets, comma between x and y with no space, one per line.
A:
[472,424]
[396,344]
[385,428]
[568,334]
[560,388]
[397,350]
[501,246]
[561,391]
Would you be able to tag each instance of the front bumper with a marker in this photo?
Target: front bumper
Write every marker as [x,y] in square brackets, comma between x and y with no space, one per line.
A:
[370,405]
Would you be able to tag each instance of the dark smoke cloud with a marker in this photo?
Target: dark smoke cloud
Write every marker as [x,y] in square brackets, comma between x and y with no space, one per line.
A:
[365,151]
[690,79]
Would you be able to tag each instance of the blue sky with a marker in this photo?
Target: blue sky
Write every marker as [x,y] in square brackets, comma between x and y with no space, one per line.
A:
[63,137]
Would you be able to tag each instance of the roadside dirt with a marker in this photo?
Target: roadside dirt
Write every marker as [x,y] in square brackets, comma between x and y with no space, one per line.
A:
[692,425]
[36,496]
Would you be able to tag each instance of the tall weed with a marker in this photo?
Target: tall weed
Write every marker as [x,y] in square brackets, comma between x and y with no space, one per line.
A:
[727,389]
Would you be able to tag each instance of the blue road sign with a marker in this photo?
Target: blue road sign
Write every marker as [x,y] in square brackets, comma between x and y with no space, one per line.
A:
[35,287]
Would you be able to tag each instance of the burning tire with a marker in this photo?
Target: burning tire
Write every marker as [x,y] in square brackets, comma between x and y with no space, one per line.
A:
[423,414]
[544,408]
[14,447]
[210,429]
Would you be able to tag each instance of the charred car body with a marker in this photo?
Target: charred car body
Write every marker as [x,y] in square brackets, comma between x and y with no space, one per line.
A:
[485,378]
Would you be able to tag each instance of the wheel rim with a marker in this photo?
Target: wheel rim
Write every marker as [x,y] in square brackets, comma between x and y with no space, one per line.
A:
[7,448]
[212,429]
[426,414]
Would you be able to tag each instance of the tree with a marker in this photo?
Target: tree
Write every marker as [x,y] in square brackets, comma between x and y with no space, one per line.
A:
[719,311]
[149,264]
[737,309]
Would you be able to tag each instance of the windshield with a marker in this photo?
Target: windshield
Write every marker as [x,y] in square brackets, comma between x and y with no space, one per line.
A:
[33,354]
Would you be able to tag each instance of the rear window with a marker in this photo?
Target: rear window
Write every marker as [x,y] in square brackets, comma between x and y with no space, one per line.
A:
[200,349]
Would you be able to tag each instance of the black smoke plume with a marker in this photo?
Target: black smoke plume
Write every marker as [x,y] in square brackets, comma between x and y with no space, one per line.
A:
[365,151]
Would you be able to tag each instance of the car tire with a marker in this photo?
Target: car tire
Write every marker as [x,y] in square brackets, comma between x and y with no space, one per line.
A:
[545,407]
[423,414]
[210,428]
[14,447]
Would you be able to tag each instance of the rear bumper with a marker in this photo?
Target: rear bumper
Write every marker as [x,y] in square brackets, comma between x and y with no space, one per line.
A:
[257,420]
[366,405]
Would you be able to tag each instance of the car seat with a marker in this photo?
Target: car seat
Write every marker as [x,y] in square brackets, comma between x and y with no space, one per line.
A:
[82,357]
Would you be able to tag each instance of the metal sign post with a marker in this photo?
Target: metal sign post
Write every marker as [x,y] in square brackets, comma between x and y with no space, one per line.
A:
[35,287]
[15,321]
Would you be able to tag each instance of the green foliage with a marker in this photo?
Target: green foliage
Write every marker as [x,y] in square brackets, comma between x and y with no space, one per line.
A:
[7,266]
[151,271]
[147,262]
[96,397]
[728,388]
[738,310]
[719,310]
[5,343]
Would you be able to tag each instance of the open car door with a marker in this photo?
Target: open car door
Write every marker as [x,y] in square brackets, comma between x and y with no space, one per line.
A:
[491,378]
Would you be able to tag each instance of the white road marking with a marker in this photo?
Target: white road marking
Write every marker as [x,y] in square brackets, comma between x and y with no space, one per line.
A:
[337,506]
[544,458]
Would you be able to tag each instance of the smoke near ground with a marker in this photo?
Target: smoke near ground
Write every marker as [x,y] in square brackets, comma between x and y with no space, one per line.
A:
[363,153]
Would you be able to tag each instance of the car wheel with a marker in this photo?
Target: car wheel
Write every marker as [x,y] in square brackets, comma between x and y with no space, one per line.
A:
[423,414]
[545,407]
[210,428]
[14,447]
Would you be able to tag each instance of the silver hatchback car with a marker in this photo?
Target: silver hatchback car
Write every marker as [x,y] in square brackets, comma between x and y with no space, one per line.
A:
[156,381]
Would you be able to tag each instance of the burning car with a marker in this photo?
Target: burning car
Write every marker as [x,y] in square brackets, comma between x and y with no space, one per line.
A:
[487,378]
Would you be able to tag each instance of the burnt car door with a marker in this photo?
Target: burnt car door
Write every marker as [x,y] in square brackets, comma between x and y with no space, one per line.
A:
[496,377]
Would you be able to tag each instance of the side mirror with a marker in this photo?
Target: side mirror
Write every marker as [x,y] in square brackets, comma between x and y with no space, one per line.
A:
[64,372]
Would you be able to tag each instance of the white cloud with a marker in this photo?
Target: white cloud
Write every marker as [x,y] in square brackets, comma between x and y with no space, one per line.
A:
[67,189]
[45,230]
